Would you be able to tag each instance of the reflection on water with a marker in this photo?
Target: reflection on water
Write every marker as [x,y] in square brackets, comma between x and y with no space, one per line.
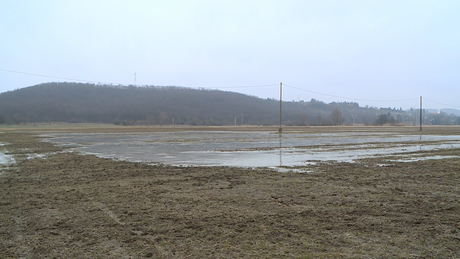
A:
[250,149]
[281,151]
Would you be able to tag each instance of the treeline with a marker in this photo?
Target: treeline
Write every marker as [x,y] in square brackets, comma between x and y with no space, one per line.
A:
[154,105]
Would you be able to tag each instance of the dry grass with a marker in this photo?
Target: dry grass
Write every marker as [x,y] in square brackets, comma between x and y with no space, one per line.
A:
[71,205]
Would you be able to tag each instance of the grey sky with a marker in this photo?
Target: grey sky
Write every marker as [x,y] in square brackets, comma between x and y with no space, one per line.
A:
[371,51]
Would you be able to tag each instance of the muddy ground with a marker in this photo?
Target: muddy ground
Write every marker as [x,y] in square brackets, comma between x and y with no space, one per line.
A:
[77,206]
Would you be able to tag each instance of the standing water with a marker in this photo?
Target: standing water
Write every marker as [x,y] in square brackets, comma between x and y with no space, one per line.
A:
[249,149]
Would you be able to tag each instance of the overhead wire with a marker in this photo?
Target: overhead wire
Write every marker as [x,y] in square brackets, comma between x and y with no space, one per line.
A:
[243,86]
[454,106]
[399,100]
[230,87]
[92,81]
[55,77]
[349,98]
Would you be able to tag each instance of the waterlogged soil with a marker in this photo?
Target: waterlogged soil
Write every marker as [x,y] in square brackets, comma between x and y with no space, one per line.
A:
[57,204]
[249,148]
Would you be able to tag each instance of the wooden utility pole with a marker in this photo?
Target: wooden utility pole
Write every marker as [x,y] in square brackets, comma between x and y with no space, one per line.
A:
[421,118]
[281,101]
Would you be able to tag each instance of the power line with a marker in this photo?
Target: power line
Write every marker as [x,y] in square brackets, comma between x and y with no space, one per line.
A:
[454,106]
[243,86]
[356,99]
[92,81]
[55,77]
[230,87]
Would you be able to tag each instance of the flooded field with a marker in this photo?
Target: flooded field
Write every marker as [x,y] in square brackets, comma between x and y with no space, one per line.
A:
[253,149]
[369,192]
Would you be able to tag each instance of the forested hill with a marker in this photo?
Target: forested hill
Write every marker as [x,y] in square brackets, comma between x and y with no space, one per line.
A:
[76,102]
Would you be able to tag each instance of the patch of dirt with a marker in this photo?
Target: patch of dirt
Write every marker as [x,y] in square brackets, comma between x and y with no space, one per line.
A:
[75,206]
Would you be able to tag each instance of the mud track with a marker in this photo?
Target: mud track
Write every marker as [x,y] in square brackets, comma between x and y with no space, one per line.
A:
[56,204]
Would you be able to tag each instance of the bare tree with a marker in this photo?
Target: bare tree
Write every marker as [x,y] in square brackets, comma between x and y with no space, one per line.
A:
[354,115]
[336,116]
[303,118]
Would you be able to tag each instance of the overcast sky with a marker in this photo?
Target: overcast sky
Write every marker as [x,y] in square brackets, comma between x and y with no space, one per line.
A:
[371,52]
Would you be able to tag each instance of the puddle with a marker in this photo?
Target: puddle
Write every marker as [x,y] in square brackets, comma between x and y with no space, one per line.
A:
[415,159]
[41,156]
[249,149]
[290,170]
[386,165]
[5,161]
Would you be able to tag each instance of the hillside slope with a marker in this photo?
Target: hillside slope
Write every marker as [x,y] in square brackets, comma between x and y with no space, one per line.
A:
[77,102]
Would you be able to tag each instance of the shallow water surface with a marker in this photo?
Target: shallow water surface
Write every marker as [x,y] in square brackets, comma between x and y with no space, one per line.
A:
[250,149]
[5,159]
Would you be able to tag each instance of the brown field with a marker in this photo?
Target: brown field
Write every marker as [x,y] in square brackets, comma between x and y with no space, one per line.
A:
[75,206]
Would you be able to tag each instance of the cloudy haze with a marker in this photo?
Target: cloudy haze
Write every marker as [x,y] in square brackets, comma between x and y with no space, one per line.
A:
[371,52]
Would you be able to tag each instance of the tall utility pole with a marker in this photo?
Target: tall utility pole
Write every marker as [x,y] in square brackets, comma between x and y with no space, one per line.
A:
[281,101]
[135,79]
[421,118]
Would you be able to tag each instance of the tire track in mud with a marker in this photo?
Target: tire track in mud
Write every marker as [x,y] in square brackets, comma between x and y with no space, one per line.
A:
[107,211]
[18,238]
[114,246]
[26,235]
